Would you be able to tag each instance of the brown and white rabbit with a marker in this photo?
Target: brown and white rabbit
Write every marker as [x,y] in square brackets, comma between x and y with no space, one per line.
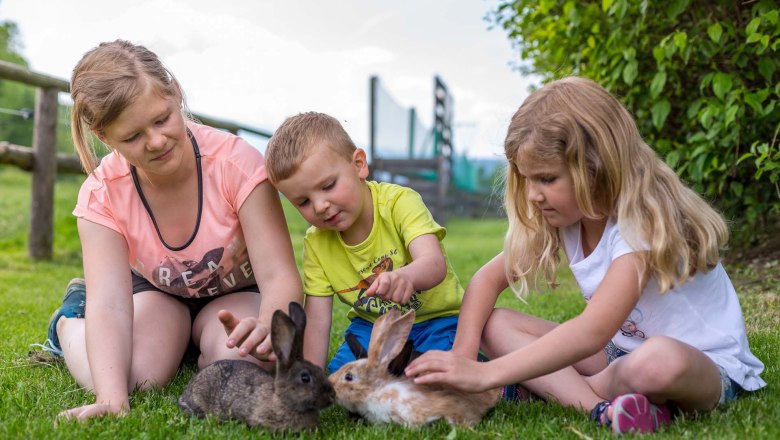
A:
[377,389]
[236,389]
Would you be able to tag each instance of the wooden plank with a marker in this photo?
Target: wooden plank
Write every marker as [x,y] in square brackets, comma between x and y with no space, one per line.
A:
[44,173]
[18,73]
[23,157]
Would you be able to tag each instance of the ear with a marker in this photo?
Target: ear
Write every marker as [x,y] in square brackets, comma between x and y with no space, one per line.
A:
[399,363]
[360,162]
[282,339]
[355,347]
[298,317]
[102,136]
[388,337]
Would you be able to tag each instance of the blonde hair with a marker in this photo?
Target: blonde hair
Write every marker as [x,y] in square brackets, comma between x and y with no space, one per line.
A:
[615,173]
[298,136]
[105,81]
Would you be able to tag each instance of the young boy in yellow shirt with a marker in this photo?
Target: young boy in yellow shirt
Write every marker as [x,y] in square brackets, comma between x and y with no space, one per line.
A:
[374,245]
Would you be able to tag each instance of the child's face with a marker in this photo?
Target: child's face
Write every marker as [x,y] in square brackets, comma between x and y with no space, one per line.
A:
[330,191]
[550,188]
[150,133]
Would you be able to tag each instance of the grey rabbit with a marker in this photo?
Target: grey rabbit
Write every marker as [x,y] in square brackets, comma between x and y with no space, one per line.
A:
[236,389]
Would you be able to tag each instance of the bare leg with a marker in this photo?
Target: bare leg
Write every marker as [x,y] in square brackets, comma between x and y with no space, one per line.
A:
[209,334]
[663,369]
[507,330]
[161,331]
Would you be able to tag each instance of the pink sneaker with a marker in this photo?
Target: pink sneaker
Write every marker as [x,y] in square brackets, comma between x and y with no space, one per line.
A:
[633,413]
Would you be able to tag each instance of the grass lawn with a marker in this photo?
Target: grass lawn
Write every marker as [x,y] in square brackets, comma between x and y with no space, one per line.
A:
[32,394]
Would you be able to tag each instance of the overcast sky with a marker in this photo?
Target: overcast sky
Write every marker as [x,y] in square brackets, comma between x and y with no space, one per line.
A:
[258,61]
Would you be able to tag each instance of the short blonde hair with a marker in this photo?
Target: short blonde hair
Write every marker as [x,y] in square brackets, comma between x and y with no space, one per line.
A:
[615,173]
[105,81]
[292,142]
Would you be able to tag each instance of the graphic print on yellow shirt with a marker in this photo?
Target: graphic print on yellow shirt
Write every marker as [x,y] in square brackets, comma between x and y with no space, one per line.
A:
[375,303]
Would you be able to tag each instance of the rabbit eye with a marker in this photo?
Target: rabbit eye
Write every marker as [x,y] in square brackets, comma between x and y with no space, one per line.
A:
[305,377]
[348,377]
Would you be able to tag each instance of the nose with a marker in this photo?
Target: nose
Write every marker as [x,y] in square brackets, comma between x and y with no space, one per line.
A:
[321,205]
[534,195]
[156,140]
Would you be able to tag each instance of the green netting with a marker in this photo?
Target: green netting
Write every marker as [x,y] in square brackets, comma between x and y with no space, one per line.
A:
[399,134]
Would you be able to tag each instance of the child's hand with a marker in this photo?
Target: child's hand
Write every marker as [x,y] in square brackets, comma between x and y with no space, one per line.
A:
[391,286]
[85,412]
[249,335]
[446,367]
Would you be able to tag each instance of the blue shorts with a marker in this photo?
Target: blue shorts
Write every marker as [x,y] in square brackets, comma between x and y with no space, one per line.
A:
[729,389]
[434,334]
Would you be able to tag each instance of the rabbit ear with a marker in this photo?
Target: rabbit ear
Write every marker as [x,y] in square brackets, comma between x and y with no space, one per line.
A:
[399,363]
[388,337]
[283,339]
[298,317]
[355,347]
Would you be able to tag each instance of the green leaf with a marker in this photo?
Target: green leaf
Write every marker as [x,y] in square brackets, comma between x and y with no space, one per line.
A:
[766,67]
[676,7]
[681,40]
[770,107]
[772,16]
[658,54]
[660,111]
[705,118]
[605,5]
[731,115]
[630,72]
[715,31]
[721,84]
[745,156]
[737,189]
[752,38]
[752,26]
[657,86]
[673,158]
[693,108]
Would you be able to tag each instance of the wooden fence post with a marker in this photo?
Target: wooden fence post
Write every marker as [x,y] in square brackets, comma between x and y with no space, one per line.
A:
[44,144]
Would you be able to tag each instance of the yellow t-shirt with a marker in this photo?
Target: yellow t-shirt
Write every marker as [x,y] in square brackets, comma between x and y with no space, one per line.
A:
[331,267]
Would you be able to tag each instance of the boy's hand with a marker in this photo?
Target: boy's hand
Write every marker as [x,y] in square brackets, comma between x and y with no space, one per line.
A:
[249,335]
[391,286]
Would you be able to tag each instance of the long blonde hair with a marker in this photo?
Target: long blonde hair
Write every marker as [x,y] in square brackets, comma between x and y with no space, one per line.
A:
[108,79]
[615,174]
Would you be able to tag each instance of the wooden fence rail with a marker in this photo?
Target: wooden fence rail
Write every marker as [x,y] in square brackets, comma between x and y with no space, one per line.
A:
[43,161]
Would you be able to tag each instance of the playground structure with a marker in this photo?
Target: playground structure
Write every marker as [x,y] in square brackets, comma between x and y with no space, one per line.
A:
[402,150]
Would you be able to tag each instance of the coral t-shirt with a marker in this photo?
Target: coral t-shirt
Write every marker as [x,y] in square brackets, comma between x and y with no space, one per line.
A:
[215,260]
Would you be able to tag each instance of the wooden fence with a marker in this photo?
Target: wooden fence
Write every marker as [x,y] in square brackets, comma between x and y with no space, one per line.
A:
[43,161]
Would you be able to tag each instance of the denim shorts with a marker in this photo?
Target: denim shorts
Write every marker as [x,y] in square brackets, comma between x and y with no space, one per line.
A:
[729,389]
[433,334]
[195,305]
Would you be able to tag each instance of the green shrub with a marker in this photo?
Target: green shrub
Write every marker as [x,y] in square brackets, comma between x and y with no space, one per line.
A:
[701,76]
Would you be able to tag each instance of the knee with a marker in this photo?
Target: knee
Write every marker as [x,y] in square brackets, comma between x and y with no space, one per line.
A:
[151,380]
[148,372]
[656,366]
[496,326]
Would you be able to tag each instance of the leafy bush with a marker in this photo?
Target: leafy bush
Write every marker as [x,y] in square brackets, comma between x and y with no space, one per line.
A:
[701,76]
